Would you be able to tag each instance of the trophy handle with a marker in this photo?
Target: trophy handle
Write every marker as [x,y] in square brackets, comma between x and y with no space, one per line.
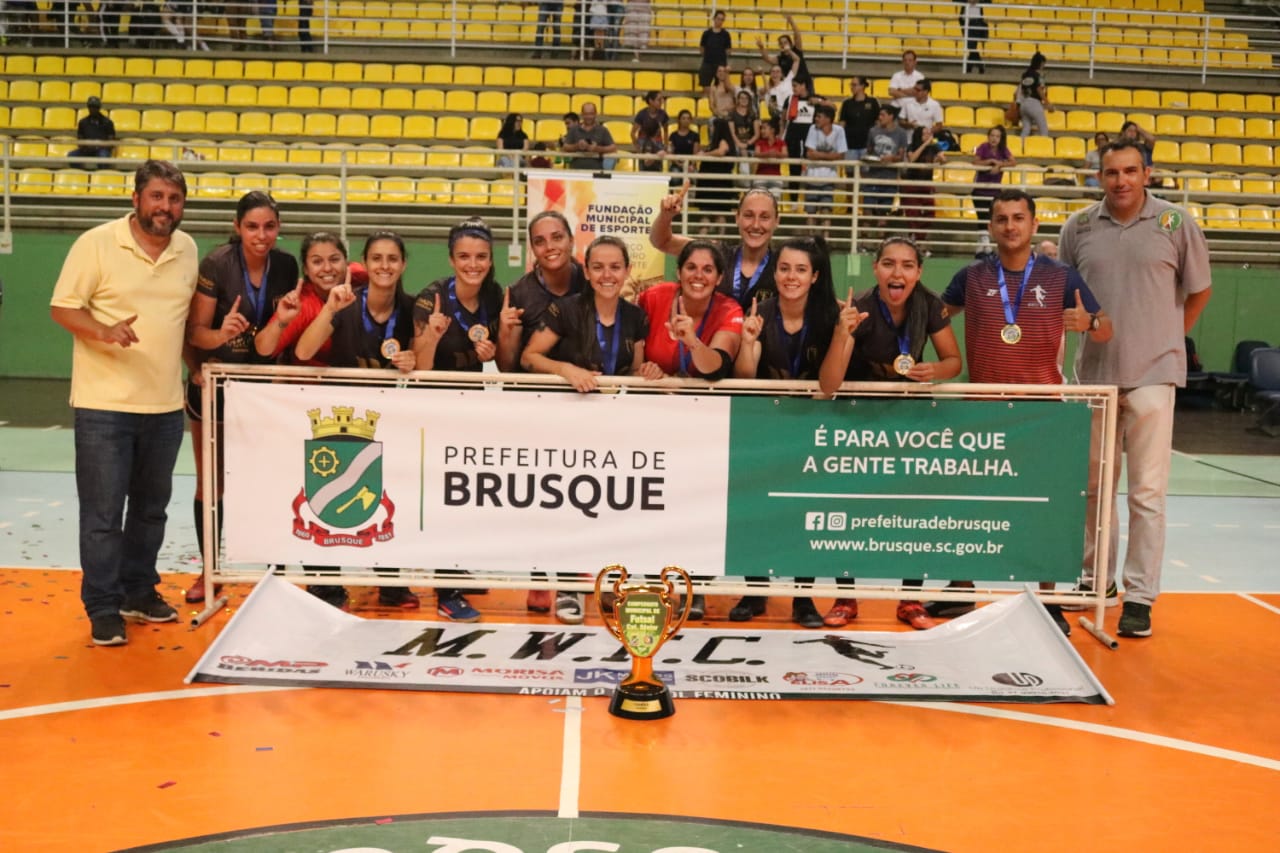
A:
[680,573]
[606,613]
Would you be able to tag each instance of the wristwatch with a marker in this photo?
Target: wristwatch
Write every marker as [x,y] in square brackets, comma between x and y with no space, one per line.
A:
[1095,322]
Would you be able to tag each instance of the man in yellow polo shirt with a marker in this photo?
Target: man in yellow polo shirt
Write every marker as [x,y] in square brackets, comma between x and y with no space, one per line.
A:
[123,293]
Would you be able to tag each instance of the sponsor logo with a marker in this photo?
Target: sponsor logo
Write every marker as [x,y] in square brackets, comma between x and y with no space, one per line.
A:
[822,679]
[1170,221]
[342,492]
[916,681]
[517,673]
[725,678]
[600,675]
[1018,679]
[445,671]
[240,663]
[912,677]
[377,669]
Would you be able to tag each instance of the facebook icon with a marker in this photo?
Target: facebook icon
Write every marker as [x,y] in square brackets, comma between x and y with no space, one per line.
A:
[814,520]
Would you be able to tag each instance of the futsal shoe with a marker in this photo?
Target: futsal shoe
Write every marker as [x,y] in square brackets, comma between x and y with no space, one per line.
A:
[913,613]
[149,607]
[747,607]
[1058,619]
[1135,620]
[697,606]
[398,596]
[1112,597]
[569,608]
[195,592]
[107,629]
[950,609]
[456,608]
[538,601]
[844,611]
[332,595]
[804,614]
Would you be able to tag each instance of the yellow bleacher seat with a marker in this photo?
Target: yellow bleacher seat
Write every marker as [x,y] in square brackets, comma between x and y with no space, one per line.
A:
[1193,180]
[960,116]
[974,92]
[306,155]
[460,101]
[103,66]
[247,182]
[211,95]
[287,124]
[548,130]
[1201,126]
[323,188]
[1173,99]
[1229,126]
[588,79]
[348,72]
[397,99]
[179,94]
[259,69]
[1090,96]
[1255,154]
[1258,127]
[1194,153]
[242,95]
[157,121]
[228,69]
[71,182]
[1170,124]
[197,68]
[287,71]
[1108,121]
[502,76]
[34,181]
[81,91]
[366,98]
[398,191]
[419,127]
[439,159]
[33,146]
[353,125]
[64,118]
[317,71]
[487,127]
[471,192]
[413,156]
[386,127]
[1206,102]
[105,182]
[554,103]
[528,78]
[236,152]
[468,75]
[288,187]
[372,155]
[1258,183]
[491,102]
[304,97]
[1231,102]
[523,103]
[1069,148]
[1220,215]
[408,74]
[378,72]
[1256,217]
[619,106]
[26,118]
[53,90]
[1116,98]
[188,122]
[1166,152]
[1146,99]
[335,97]
[114,93]
[428,100]
[1081,121]
[1039,147]
[320,125]
[255,123]
[1224,182]
[220,123]
[273,96]
[1227,154]
[133,149]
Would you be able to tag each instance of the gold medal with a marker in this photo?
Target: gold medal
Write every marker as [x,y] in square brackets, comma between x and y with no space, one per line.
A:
[1011,333]
[903,364]
[478,333]
[389,348]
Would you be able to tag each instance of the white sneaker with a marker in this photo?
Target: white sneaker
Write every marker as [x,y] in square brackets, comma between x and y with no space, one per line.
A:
[569,607]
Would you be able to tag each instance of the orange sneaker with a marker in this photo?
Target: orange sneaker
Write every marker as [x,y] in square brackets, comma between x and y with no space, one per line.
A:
[841,613]
[538,601]
[912,613]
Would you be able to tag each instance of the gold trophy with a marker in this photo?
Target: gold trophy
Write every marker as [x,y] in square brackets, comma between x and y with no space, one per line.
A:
[643,617]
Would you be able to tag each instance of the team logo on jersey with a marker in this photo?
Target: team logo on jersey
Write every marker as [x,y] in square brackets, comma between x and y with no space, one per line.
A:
[342,501]
[1170,221]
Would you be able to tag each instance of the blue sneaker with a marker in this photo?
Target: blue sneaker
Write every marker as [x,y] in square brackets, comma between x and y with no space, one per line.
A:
[456,608]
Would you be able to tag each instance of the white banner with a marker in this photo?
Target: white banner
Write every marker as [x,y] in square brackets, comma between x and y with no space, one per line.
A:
[1009,651]
[426,478]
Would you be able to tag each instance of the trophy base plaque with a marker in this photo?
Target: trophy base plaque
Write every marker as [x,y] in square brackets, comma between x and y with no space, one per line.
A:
[642,702]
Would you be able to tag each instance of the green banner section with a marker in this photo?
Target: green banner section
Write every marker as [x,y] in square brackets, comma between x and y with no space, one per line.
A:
[907,488]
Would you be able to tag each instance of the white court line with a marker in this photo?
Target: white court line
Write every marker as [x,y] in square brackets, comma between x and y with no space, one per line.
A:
[572,753]
[1227,526]
[1209,579]
[1096,729]
[1178,563]
[1247,597]
[1177,524]
[571,758]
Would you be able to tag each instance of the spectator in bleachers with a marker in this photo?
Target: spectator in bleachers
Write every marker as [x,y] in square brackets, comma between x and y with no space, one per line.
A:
[637,23]
[922,110]
[790,56]
[778,94]
[902,85]
[511,137]
[1033,97]
[266,10]
[176,18]
[975,32]
[237,15]
[306,9]
[715,186]
[1093,159]
[826,144]
[799,113]
[886,145]
[590,140]
[769,149]
[714,47]
[95,132]
[1146,142]
[550,13]
[683,142]
[858,115]
[746,127]
[917,199]
[991,159]
[748,83]
[721,94]
[1048,248]
[649,132]
[598,21]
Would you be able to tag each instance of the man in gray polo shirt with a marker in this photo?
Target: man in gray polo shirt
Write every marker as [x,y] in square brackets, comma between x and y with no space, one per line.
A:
[1147,261]
[590,140]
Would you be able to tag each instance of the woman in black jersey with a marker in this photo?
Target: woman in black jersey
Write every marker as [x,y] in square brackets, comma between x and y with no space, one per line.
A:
[456,318]
[238,287]
[786,337]
[369,327]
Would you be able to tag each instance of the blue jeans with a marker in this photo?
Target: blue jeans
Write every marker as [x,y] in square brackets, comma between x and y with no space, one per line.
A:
[122,456]
[549,13]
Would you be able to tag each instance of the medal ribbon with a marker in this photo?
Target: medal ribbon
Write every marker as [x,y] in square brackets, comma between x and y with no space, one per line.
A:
[738,291]
[370,325]
[904,342]
[482,316]
[610,353]
[257,296]
[1011,311]
[787,336]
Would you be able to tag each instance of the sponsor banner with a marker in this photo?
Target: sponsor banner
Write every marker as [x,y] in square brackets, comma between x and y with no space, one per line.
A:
[908,488]
[1009,651]
[513,482]
[620,204]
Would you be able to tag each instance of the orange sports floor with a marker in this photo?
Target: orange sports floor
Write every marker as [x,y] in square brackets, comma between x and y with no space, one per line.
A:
[105,748]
